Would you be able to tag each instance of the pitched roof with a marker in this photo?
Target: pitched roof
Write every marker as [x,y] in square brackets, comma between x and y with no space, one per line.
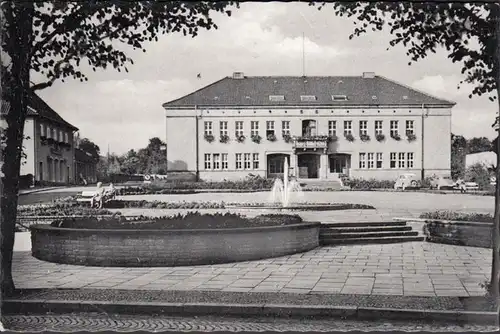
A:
[41,109]
[255,91]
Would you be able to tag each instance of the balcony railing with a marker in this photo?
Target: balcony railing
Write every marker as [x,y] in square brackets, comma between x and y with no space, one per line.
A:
[310,142]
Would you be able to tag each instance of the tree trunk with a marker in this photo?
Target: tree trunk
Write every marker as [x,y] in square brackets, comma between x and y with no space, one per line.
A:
[17,34]
[495,267]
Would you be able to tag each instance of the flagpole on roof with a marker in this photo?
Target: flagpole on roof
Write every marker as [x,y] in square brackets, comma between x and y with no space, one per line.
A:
[303,56]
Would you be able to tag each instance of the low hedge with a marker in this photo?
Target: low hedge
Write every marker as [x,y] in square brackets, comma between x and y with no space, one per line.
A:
[369,184]
[191,220]
[458,216]
[118,204]
[62,209]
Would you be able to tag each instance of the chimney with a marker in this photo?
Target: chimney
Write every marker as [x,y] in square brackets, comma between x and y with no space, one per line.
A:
[238,75]
[368,75]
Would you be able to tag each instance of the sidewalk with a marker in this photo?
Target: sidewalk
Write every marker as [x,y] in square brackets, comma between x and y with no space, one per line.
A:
[410,281]
[408,269]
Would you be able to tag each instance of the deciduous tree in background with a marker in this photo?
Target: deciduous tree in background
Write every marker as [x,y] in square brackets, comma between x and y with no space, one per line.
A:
[61,40]
[469,32]
[90,147]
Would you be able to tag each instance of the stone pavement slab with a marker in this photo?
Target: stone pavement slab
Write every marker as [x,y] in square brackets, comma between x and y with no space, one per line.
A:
[442,270]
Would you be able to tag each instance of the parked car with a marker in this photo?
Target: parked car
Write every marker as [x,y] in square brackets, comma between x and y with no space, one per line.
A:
[407,181]
[442,182]
[464,186]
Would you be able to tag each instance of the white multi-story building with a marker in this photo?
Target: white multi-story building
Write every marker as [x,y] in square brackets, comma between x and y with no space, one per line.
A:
[361,126]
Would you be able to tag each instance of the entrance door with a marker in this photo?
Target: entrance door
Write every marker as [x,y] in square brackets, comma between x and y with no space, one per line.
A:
[339,164]
[308,166]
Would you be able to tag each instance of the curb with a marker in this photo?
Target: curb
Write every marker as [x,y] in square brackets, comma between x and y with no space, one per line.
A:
[38,191]
[41,306]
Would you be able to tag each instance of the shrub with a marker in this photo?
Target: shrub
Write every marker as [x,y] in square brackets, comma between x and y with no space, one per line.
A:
[395,136]
[458,216]
[224,139]
[271,137]
[191,220]
[370,184]
[364,137]
[209,138]
[411,136]
[426,182]
[287,138]
[349,137]
[69,208]
[256,139]
[380,137]
[478,173]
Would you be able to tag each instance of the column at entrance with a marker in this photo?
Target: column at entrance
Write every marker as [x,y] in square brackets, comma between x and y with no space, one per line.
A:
[323,160]
[293,165]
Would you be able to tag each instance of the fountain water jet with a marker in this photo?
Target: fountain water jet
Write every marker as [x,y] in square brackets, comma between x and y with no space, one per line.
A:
[282,190]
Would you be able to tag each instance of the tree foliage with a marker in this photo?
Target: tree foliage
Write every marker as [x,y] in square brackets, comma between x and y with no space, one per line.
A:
[465,30]
[468,32]
[62,40]
[458,153]
[88,146]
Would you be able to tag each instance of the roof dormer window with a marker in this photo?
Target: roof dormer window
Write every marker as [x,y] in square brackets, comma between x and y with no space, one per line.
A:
[307,98]
[339,97]
[276,98]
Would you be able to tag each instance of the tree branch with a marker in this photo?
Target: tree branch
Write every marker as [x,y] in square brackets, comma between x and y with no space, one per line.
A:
[71,18]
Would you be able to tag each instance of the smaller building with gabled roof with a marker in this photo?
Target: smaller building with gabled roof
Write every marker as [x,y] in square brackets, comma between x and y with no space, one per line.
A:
[326,127]
[48,145]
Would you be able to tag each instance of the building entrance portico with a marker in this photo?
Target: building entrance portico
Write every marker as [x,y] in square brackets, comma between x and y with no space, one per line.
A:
[309,166]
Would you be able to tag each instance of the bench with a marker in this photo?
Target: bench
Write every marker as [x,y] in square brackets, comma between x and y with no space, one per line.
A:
[88,196]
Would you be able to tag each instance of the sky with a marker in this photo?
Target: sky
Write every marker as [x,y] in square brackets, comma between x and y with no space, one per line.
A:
[123,110]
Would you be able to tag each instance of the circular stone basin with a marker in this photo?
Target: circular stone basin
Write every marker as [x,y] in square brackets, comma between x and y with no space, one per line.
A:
[143,247]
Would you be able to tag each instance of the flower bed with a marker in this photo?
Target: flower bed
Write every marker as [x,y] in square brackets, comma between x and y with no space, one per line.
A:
[193,239]
[464,229]
[62,209]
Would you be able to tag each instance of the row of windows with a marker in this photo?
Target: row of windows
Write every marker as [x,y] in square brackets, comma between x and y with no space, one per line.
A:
[53,133]
[219,161]
[310,128]
[372,160]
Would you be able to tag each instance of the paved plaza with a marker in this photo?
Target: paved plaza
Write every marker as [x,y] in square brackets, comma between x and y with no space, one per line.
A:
[409,269]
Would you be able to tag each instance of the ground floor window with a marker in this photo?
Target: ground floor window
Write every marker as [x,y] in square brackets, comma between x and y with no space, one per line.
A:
[224,161]
[208,161]
[362,160]
[255,160]
[247,161]
[379,160]
[409,160]
[401,157]
[216,161]
[239,164]
[371,160]
[402,160]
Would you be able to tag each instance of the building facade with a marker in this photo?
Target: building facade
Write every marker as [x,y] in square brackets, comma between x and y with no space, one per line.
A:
[85,167]
[362,126]
[48,145]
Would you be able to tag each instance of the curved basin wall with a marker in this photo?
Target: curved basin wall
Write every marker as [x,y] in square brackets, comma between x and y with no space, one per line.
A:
[156,248]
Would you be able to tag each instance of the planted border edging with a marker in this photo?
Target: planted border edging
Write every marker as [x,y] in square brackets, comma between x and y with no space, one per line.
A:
[460,233]
[166,248]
